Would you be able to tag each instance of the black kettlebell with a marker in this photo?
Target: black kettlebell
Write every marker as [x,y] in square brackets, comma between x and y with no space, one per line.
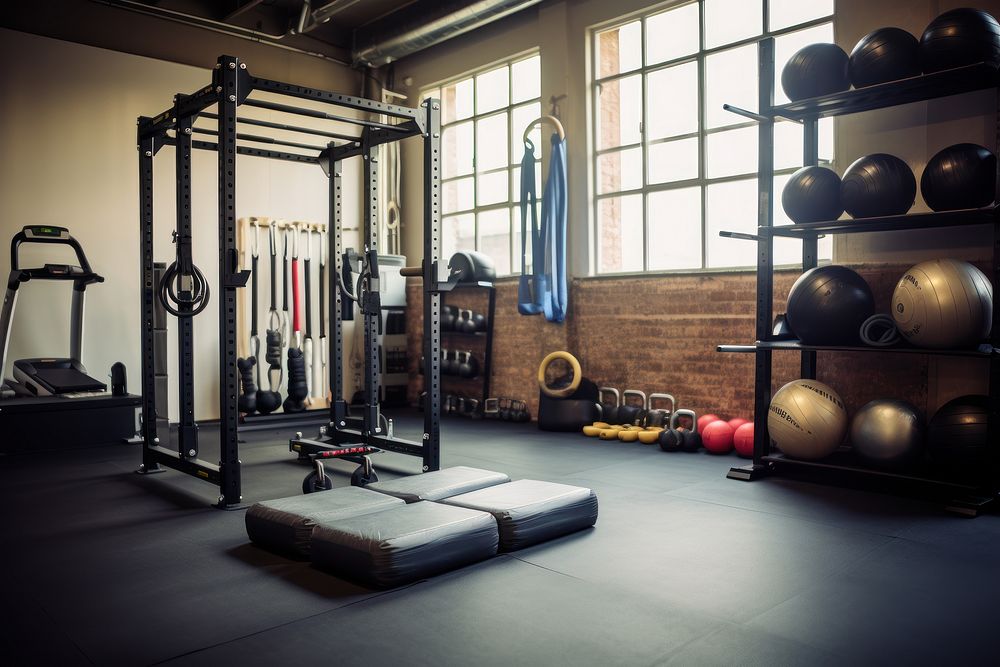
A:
[447,363]
[467,324]
[468,365]
[609,411]
[504,409]
[631,414]
[658,416]
[519,412]
[480,321]
[677,437]
[448,316]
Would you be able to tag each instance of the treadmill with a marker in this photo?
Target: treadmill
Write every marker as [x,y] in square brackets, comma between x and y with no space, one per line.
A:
[48,376]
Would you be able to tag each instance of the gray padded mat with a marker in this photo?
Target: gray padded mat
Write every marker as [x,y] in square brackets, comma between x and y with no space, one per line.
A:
[530,511]
[439,484]
[405,543]
[286,524]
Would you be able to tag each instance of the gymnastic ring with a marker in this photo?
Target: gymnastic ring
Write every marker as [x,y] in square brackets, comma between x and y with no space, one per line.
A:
[565,391]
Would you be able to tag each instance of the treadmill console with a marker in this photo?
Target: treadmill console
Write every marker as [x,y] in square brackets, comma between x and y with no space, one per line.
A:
[45,232]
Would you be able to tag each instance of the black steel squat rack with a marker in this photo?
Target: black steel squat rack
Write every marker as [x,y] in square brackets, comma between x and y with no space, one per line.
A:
[962,496]
[232,86]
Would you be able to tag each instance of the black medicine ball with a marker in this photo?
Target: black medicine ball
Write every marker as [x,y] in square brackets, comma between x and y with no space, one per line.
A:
[887,54]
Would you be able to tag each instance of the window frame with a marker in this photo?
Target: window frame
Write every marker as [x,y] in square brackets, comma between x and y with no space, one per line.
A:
[509,204]
[702,134]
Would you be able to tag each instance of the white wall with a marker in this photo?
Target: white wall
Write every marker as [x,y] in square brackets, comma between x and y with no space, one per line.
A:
[67,123]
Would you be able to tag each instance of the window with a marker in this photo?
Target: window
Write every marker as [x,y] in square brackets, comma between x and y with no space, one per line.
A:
[483,119]
[671,167]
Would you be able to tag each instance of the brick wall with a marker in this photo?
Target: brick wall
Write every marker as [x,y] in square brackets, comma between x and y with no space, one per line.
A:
[658,334]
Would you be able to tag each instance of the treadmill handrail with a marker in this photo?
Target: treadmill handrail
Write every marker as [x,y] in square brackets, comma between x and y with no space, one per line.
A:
[21,237]
[44,273]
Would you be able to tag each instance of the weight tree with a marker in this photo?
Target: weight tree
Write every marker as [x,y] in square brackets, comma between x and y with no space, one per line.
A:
[233,86]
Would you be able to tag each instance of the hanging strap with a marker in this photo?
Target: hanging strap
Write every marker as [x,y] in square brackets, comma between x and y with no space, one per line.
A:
[554,230]
[528,296]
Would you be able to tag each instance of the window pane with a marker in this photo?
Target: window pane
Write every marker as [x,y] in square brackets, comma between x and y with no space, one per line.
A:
[515,181]
[492,89]
[732,152]
[619,115]
[785,13]
[619,234]
[787,145]
[621,170]
[458,233]
[673,161]
[494,237]
[457,149]
[491,142]
[786,46]
[673,101]
[732,207]
[826,139]
[520,118]
[672,34]
[492,188]
[730,77]
[428,94]
[675,229]
[619,49]
[526,79]
[729,21]
[457,101]
[458,195]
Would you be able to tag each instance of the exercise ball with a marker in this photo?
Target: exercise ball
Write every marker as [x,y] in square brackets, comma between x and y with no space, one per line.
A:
[960,37]
[958,435]
[743,440]
[807,420]
[812,194]
[717,437]
[828,304]
[943,303]
[705,420]
[960,176]
[736,422]
[888,433]
[886,54]
[817,69]
[876,185]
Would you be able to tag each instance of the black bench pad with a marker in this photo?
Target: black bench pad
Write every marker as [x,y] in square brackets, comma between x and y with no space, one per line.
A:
[404,544]
[530,511]
[285,525]
[439,484]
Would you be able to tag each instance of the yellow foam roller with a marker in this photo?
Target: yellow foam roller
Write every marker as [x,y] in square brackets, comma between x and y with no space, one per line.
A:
[628,435]
[592,431]
[609,433]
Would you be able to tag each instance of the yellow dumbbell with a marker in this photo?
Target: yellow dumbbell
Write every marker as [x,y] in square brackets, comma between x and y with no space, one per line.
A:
[628,435]
[650,435]
[610,433]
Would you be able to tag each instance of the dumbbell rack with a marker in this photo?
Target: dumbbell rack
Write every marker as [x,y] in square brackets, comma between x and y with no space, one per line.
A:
[965,497]
[486,367]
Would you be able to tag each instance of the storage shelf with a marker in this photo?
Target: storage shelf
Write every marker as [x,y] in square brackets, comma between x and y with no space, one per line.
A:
[965,217]
[464,334]
[844,462]
[984,351]
[915,89]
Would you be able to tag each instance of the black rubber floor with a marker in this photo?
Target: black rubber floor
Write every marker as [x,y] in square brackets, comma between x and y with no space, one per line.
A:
[102,566]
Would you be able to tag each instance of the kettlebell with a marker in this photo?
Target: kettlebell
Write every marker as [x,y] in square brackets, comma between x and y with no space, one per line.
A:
[676,437]
[468,366]
[448,364]
[448,316]
[658,416]
[472,407]
[632,414]
[609,411]
[480,321]
[521,413]
[468,325]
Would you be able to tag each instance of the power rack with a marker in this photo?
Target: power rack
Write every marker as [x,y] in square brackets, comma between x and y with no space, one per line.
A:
[233,86]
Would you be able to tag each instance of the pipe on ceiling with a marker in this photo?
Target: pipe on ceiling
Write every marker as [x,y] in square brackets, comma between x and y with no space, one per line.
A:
[417,27]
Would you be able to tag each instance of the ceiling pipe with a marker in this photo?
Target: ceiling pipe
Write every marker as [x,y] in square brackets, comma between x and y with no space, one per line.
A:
[424,24]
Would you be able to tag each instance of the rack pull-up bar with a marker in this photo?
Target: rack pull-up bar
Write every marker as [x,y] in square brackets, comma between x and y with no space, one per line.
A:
[274,106]
[261,140]
[282,126]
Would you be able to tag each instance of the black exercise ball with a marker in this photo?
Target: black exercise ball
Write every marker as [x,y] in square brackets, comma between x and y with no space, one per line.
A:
[812,194]
[888,433]
[876,185]
[960,37]
[887,54]
[828,304]
[960,176]
[957,437]
[817,69]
